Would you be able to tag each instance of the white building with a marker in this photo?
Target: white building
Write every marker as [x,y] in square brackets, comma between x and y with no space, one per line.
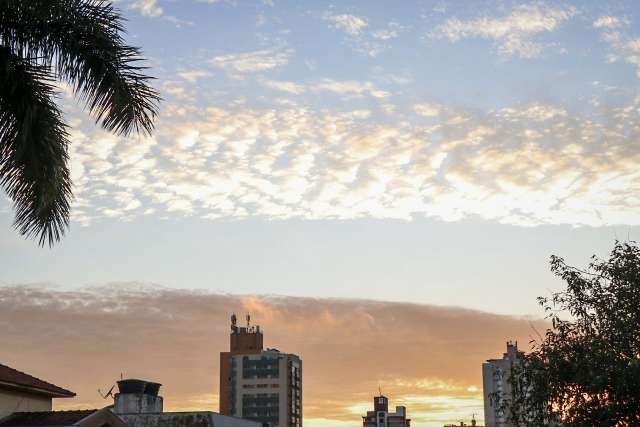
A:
[267,387]
[495,380]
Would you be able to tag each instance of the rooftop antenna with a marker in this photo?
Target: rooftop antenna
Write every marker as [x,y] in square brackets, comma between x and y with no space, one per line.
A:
[109,393]
[380,389]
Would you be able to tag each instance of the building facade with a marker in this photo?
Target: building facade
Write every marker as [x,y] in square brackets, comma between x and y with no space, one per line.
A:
[496,389]
[381,417]
[257,384]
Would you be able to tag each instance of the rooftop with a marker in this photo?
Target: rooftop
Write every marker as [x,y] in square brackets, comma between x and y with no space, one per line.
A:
[46,418]
[12,378]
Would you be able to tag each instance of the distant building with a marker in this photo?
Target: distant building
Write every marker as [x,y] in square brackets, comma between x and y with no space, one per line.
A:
[381,417]
[138,405]
[257,384]
[20,392]
[495,381]
[474,423]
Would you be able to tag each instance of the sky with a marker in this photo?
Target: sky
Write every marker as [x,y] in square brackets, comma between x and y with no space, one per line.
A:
[423,356]
[349,156]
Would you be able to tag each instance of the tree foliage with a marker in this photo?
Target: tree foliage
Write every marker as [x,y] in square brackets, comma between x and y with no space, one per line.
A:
[78,42]
[585,370]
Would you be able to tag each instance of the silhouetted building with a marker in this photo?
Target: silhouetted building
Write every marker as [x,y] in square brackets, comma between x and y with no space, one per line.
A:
[257,384]
[381,417]
[495,382]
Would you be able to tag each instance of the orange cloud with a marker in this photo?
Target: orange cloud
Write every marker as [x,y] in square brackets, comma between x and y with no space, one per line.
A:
[425,357]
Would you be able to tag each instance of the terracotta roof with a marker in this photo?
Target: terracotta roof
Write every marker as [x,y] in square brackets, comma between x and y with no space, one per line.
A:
[48,418]
[13,378]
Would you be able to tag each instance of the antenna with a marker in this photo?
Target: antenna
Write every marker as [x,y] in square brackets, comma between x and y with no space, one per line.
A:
[109,393]
[380,389]
[248,320]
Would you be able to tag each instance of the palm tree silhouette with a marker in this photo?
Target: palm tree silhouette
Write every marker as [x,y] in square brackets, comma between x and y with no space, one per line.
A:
[74,41]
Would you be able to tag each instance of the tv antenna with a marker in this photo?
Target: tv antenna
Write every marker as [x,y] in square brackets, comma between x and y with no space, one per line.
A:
[108,394]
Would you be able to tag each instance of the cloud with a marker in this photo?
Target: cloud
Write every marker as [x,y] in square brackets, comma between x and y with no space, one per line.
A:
[151,9]
[251,62]
[147,7]
[289,87]
[359,40]
[624,47]
[512,34]
[350,87]
[427,110]
[193,76]
[524,165]
[391,32]
[610,22]
[174,337]
[350,24]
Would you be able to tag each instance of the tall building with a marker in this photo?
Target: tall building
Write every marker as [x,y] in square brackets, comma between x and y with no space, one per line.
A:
[257,384]
[495,382]
[381,417]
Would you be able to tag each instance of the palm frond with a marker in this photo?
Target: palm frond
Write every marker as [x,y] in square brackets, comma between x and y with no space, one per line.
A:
[83,40]
[33,149]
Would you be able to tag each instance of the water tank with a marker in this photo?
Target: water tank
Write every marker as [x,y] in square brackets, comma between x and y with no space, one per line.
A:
[132,386]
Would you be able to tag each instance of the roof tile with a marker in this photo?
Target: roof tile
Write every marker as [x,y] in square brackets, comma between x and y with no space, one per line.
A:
[47,418]
[20,379]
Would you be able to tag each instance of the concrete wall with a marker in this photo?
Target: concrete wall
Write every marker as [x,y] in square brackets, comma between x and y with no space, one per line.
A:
[137,403]
[15,401]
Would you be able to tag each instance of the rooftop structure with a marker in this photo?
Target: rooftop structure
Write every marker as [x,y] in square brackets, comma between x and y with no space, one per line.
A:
[138,404]
[381,417]
[23,392]
[186,419]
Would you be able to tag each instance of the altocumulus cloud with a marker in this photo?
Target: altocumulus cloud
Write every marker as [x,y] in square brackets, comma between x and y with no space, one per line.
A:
[527,165]
[512,34]
[430,358]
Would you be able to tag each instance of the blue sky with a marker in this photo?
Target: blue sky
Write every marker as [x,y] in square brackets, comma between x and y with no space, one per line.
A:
[433,152]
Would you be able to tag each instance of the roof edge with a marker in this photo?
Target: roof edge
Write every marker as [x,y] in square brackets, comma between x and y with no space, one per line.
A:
[37,390]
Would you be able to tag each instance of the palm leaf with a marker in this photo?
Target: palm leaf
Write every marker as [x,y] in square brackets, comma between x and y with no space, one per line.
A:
[83,40]
[80,42]
[33,149]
